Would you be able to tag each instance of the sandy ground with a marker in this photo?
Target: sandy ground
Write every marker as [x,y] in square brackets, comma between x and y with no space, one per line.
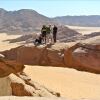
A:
[70,83]
[29,98]
[85,30]
[6,45]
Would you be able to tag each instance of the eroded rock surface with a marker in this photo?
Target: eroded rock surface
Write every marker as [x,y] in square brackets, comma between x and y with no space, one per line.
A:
[13,81]
[5,89]
[84,55]
[33,55]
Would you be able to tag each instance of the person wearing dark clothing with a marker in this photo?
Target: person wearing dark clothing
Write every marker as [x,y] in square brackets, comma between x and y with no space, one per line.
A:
[38,40]
[54,33]
[43,31]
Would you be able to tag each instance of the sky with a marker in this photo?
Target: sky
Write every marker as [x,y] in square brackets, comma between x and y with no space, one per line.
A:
[53,8]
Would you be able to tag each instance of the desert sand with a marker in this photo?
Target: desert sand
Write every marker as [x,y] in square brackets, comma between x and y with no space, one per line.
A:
[71,83]
[84,30]
[28,98]
[4,45]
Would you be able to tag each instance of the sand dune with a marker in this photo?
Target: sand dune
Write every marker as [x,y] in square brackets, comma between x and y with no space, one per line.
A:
[70,83]
[85,30]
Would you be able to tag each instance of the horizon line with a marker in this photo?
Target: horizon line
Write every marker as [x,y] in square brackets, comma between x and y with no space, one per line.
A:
[53,16]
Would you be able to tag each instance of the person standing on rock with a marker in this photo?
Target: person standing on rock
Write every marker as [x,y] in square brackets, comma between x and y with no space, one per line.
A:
[48,32]
[43,31]
[55,33]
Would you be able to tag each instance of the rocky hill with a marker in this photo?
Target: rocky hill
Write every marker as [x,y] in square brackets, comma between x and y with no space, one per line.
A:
[93,20]
[22,21]
[64,34]
[29,21]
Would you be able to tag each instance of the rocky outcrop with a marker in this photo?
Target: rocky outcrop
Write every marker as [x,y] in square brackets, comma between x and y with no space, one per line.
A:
[22,85]
[64,34]
[83,56]
[5,89]
[7,67]
[32,55]
[13,81]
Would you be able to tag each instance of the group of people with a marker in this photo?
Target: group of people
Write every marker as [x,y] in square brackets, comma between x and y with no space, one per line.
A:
[47,34]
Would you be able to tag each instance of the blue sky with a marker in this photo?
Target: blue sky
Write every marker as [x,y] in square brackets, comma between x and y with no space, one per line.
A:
[52,8]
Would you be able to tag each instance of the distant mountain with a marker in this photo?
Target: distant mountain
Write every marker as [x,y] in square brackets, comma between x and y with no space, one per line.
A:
[22,21]
[93,20]
[26,21]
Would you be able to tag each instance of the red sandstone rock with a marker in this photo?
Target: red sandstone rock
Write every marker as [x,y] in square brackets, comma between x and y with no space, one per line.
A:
[83,56]
[18,83]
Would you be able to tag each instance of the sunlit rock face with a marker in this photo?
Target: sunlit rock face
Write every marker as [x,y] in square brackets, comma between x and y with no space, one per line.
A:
[13,81]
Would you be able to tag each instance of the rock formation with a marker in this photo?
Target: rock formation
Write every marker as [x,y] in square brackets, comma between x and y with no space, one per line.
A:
[65,34]
[5,88]
[22,21]
[15,82]
[83,56]
[82,20]
[41,55]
